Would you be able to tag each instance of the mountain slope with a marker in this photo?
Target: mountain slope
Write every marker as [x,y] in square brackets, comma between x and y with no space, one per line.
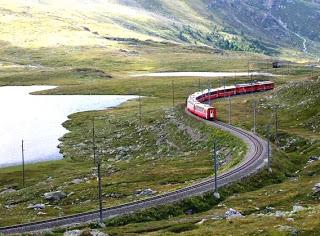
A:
[282,23]
[267,26]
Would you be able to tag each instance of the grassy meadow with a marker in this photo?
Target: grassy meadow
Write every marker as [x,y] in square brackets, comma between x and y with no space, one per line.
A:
[166,150]
[165,155]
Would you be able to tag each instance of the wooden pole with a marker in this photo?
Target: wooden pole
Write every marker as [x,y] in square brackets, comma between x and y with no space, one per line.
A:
[276,125]
[94,142]
[216,191]
[140,108]
[254,115]
[269,157]
[209,93]
[23,168]
[229,110]
[100,192]
[173,102]
[97,161]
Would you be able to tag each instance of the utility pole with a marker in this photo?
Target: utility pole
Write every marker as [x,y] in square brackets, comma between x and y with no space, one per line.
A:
[94,142]
[229,110]
[276,125]
[268,149]
[254,115]
[98,162]
[216,191]
[209,101]
[23,171]
[224,89]
[100,192]
[140,108]
[173,102]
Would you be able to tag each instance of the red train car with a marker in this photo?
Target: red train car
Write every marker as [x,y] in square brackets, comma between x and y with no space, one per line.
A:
[196,102]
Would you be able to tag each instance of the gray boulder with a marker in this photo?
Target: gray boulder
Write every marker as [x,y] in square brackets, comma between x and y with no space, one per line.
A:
[54,196]
[77,181]
[40,213]
[216,195]
[232,213]
[122,150]
[314,158]
[146,192]
[297,208]
[287,228]
[280,214]
[316,188]
[82,232]
[10,190]
[37,207]
[97,233]
[72,233]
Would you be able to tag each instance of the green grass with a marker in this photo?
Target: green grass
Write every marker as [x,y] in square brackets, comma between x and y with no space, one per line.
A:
[176,161]
[172,168]
[163,167]
[280,189]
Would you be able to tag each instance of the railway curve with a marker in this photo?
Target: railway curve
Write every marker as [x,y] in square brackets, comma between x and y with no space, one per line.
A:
[254,160]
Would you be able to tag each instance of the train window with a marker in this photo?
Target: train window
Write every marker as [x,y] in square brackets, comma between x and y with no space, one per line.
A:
[198,108]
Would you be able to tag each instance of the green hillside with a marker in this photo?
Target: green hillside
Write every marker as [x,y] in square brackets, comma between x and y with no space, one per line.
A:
[271,27]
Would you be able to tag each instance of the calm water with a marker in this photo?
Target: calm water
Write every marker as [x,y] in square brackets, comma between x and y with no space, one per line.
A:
[37,120]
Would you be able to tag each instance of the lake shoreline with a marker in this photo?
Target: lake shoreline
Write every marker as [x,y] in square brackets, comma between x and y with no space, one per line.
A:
[39,120]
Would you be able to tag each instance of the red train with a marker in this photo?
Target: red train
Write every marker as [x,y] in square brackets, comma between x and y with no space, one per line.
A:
[196,102]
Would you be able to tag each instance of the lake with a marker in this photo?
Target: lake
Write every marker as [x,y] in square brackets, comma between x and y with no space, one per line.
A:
[37,119]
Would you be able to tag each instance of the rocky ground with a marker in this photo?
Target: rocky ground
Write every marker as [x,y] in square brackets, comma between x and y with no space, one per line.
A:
[168,136]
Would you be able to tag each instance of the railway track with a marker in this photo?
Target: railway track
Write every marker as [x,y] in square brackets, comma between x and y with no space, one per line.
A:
[253,162]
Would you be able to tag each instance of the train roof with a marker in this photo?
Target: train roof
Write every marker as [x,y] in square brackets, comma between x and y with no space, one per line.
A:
[203,105]
[254,83]
[195,95]
[264,82]
[225,88]
[245,85]
[193,98]
[214,90]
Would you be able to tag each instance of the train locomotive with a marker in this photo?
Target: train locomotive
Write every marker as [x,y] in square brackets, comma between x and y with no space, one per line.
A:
[196,103]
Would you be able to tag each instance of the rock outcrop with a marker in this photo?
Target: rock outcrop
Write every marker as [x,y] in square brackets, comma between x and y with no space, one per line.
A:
[232,213]
[54,196]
